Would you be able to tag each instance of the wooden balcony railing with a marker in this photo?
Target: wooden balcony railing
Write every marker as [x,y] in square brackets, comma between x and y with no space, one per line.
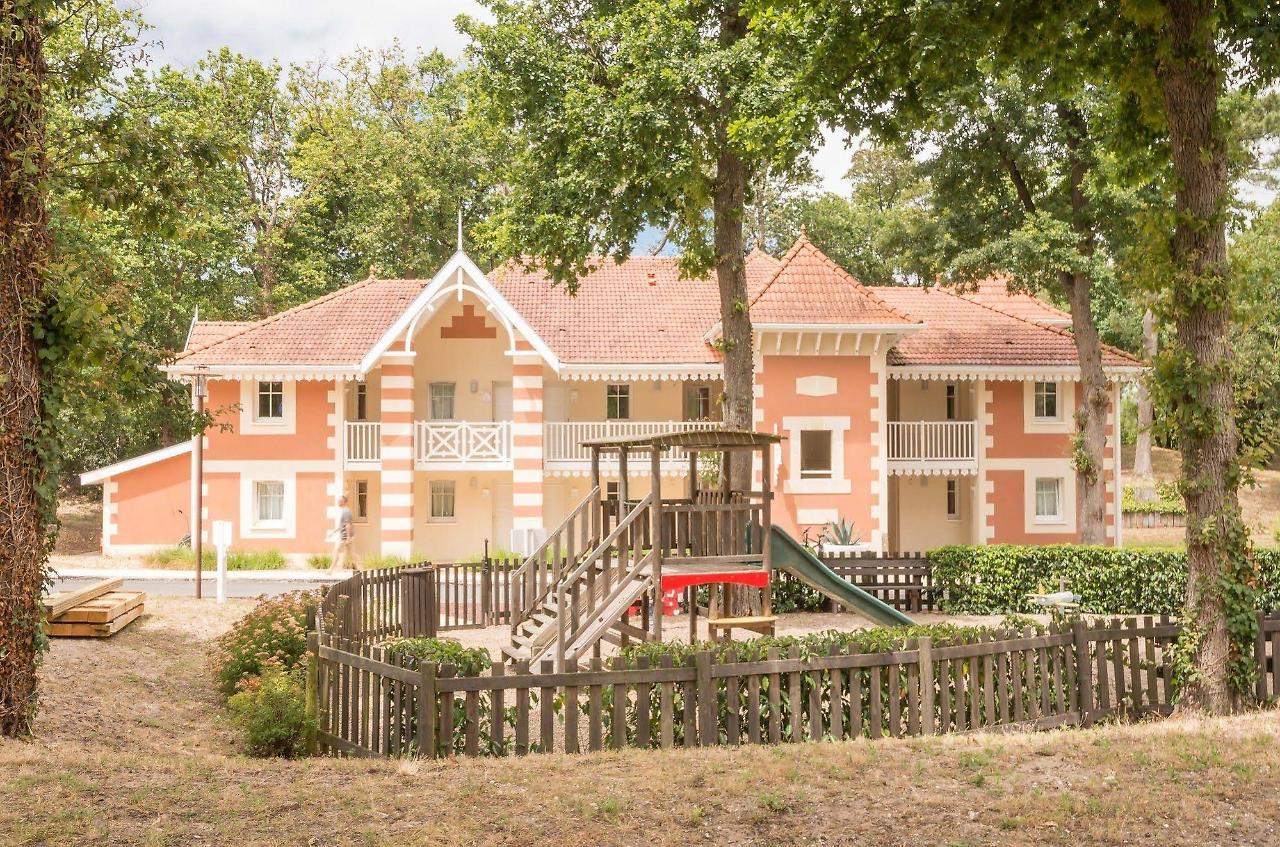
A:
[926,445]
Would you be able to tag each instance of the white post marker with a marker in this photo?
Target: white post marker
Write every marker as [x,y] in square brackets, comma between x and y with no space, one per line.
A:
[222,541]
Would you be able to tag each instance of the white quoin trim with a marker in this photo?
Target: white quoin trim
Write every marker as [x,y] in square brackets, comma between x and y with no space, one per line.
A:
[458,276]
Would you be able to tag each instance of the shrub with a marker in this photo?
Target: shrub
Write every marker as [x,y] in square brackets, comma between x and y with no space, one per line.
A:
[274,633]
[1109,580]
[271,710]
[468,661]
[237,560]
[1168,501]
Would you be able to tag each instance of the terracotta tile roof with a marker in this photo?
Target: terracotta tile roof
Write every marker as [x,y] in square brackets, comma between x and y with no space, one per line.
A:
[960,331]
[204,333]
[994,292]
[636,311]
[336,329]
[809,288]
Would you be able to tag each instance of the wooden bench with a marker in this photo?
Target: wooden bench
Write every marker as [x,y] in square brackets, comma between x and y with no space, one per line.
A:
[721,627]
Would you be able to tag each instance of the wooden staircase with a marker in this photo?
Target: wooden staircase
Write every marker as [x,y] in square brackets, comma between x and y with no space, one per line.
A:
[572,602]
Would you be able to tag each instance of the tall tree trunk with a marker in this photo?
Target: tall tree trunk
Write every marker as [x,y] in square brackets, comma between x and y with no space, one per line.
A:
[1143,473]
[24,257]
[1191,78]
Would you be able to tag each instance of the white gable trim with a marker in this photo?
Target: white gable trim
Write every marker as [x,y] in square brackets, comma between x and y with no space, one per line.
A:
[451,276]
[105,473]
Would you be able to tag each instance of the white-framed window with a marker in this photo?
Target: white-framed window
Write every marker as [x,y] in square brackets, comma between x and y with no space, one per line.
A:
[815,454]
[1049,499]
[953,499]
[442,396]
[611,490]
[443,499]
[1045,401]
[270,402]
[362,401]
[268,502]
[617,402]
[697,402]
[953,402]
[361,510]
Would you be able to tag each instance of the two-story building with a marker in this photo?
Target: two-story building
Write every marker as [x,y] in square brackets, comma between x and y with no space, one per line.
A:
[452,410]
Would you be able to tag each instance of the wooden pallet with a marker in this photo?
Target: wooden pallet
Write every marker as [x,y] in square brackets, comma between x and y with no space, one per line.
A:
[59,628]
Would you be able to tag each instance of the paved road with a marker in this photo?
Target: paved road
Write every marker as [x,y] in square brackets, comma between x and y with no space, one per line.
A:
[187,588]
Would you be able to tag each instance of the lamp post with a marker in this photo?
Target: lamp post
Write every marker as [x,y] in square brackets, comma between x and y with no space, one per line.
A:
[199,393]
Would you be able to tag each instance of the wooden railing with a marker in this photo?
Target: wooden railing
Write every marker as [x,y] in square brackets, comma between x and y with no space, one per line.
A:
[364,441]
[368,703]
[444,442]
[531,584]
[563,441]
[926,443]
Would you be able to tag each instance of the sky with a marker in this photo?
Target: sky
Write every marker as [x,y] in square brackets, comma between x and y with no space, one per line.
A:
[310,29]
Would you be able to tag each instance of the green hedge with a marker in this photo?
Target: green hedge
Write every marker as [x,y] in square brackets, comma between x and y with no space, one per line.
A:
[1167,502]
[1110,581]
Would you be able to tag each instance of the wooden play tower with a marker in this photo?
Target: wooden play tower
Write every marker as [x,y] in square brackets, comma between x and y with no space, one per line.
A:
[615,557]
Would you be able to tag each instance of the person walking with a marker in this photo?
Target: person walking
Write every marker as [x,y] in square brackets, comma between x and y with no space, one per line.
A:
[343,534]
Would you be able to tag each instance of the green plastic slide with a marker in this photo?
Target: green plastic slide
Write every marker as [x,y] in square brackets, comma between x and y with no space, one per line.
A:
[791,556]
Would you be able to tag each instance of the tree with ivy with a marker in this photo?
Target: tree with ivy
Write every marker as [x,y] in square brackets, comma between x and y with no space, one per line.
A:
[634,115]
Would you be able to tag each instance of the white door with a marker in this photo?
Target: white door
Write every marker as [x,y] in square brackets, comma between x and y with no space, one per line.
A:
[502,407]
[555,406]
[501,516]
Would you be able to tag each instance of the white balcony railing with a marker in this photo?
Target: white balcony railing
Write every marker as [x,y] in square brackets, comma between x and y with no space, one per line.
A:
[441,442]
[364,441]
[563,441]
[926,445]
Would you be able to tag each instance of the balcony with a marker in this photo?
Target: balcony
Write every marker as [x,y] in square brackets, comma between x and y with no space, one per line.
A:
[437,445]
[933,447]
[563,450]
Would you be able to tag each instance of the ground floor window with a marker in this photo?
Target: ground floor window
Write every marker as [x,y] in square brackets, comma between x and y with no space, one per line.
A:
[443,499]
[268,502]
[1048,499]
[611,491]
[953,499]
[815,454]
[362,500]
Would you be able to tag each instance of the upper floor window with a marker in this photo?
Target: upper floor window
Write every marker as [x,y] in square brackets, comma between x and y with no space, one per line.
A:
[953,402]
[815,454]
[1046,401]
[617,402]
[270,401]
[362,401]
[442,397]
[1048,500]
[268,502]
[443,499]
[697,402]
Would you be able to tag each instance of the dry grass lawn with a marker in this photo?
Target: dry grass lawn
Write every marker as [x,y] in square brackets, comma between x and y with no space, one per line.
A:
[132,749]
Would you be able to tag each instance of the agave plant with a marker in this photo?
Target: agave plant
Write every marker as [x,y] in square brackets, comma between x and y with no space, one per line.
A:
[841,532]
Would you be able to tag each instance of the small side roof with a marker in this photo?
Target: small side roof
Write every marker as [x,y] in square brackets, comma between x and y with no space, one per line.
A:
[701,439]
[102,474]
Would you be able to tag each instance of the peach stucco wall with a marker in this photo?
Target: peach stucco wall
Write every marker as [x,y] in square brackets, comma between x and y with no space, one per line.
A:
[309,439]
[855,398]
[151,503]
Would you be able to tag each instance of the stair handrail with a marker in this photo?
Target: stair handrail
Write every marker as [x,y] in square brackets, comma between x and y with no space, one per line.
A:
[520,574]
[619,588]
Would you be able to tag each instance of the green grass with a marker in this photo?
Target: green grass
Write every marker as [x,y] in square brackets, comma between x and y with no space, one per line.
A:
[237,560]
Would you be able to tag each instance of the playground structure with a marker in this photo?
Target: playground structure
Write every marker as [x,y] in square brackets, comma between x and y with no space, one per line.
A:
[612,556]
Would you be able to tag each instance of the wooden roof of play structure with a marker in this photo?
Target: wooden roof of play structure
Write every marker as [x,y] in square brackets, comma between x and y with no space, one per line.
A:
[704,439]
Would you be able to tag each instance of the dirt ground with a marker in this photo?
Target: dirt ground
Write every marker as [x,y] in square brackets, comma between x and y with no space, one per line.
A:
[132,749]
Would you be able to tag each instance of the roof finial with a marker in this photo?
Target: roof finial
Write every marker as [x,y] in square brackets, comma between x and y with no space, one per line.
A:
[459,229]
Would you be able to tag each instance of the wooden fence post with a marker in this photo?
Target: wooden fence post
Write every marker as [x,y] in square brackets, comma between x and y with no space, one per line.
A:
[1260,658]
[486,589]
[926,685]
[426,734]
[313,692]
[1084,672]
[708,732]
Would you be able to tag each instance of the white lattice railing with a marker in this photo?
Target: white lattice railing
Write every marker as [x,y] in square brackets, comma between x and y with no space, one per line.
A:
[461,441]
[933,442]
[364,441]
[563,441]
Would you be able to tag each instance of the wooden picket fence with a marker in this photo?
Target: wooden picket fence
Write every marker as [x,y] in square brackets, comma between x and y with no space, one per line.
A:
[903,580]
[369,703]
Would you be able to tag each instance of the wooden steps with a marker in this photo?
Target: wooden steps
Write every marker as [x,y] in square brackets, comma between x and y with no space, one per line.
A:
[96,611]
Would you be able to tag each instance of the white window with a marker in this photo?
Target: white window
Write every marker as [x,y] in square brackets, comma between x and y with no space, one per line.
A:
[270,406]
[953,499]
[362,401]
[1049,500]
[617,402]
[443,499]
[953,402]
[815,454]
[362,500]
[442,396]
[697,403]
[1046,401]
[268,502]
